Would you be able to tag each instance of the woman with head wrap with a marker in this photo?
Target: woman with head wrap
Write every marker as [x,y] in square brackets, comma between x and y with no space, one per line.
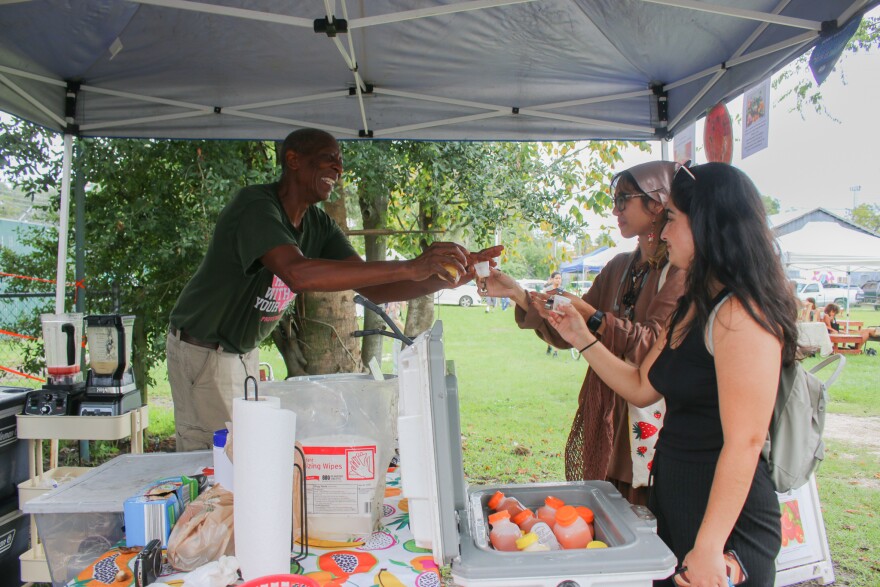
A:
[628,304]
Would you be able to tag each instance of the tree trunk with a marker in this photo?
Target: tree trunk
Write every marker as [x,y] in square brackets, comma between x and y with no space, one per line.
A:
[374,208]
[419,315]
[420,312]
[327,321]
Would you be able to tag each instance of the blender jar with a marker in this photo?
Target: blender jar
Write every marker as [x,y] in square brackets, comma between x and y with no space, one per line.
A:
[109,344]
[62,339]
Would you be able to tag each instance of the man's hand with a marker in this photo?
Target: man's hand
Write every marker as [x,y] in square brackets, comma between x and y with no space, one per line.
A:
[446,260]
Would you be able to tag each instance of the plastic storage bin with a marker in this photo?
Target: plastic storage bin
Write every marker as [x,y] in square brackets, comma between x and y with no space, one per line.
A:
[82,519]
[451,518]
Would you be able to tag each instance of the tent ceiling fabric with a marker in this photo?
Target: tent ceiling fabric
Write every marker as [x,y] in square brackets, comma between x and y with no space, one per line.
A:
[427,69]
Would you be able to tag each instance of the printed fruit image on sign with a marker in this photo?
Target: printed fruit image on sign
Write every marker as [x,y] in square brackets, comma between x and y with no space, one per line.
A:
[718,135]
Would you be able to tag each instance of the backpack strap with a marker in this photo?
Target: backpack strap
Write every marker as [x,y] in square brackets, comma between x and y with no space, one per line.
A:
[710,346]
[841,363]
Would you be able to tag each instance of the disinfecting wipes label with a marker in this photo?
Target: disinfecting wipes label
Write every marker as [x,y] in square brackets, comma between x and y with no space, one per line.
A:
[340,480]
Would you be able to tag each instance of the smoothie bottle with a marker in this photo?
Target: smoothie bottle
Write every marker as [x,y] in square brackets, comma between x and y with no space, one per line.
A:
[504,533]
[547,512]
[499,502]
[525,520]
[571,530]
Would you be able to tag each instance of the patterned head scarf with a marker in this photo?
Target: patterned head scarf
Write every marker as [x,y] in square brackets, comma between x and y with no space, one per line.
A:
[653,178]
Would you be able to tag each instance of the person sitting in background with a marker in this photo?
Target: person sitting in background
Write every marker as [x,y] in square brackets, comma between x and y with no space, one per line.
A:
[808,310]
[829,317]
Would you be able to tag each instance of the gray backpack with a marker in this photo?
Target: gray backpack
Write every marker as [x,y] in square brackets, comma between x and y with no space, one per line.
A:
[794,446]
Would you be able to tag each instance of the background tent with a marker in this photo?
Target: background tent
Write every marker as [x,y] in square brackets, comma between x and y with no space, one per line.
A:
[594,261]
[826,245]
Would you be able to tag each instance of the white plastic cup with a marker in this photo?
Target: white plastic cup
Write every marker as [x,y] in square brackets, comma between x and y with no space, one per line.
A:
[559,301]
[482,268]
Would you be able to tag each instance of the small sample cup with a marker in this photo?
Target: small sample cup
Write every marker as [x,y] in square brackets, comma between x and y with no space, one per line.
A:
[482,269]
[559,301]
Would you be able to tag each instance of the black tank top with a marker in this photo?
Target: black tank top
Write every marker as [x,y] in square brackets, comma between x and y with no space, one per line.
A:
[686,377]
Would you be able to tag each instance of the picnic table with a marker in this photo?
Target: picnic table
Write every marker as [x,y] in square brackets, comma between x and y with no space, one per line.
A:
[847,326]
[847,344]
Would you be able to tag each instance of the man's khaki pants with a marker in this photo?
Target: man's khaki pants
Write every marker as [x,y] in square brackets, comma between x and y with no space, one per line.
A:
[203,383]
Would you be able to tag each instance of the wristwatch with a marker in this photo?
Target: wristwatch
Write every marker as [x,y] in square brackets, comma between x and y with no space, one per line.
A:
[594,323]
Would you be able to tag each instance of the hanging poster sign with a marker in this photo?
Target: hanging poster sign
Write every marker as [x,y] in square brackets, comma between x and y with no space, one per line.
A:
[756,118]
[684,145]
[718,135]
[805,554]
[826,53]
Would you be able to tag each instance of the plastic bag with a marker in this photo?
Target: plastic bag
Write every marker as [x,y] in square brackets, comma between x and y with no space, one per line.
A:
[218,573]
[346,425]
[204,532]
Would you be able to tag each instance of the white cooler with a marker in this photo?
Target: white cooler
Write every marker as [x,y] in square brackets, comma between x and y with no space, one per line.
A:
[451,518]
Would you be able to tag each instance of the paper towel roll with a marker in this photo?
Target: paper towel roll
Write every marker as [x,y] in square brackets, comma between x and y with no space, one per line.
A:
[263,453]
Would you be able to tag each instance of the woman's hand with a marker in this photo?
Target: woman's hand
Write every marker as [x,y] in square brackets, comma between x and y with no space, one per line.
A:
[571,326]
[705,568]
[501,285]
[585,309]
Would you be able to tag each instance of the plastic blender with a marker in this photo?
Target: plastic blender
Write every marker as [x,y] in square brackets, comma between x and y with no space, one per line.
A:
[62,339]
[109,339]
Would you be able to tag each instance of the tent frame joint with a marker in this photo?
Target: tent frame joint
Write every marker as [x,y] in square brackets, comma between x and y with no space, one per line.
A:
[367,89]
[365,134]
[330,26]
[829,27]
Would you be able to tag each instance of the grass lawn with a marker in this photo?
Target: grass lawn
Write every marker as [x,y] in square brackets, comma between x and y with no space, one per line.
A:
[517,403]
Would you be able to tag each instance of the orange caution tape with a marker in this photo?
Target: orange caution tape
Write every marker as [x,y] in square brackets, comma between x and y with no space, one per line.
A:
[19,373]
[7,333]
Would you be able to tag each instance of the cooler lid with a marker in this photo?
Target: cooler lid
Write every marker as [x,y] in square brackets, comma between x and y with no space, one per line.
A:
[432,474]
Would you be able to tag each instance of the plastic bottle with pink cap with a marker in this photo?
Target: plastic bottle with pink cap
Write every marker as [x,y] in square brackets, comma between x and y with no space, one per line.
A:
[504,533]
[547,512]
[571,530]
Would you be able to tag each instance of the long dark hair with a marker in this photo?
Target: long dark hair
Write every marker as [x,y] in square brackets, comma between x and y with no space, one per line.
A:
[733,246]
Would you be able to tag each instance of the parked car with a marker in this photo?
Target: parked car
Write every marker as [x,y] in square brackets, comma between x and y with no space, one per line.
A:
[532,284]
[826,293]
[464,295]
[869,293]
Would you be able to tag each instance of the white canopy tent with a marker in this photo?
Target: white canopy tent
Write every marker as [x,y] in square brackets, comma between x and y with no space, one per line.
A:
[828,245]
[415,69]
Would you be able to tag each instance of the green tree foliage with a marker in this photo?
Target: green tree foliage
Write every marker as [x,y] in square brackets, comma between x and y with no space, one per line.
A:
[150,209]
[796,81]
[771,205]
[867,216]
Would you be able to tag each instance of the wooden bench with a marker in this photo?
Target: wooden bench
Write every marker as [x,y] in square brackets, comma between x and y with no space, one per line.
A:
[842,342]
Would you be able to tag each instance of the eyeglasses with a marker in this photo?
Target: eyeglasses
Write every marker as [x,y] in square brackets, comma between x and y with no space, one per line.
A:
[620,200]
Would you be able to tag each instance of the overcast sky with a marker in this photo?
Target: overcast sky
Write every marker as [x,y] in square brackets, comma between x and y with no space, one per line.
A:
[812,160]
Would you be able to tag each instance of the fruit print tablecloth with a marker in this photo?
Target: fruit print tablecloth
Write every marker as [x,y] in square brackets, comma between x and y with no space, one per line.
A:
[388,558]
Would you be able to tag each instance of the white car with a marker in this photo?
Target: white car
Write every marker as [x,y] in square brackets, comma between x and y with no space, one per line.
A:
[465,295]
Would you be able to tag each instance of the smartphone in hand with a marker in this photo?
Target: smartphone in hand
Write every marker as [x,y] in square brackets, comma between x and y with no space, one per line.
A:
[736,573]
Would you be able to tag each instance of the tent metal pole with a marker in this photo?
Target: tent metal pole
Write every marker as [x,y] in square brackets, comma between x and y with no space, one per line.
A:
[64,211]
